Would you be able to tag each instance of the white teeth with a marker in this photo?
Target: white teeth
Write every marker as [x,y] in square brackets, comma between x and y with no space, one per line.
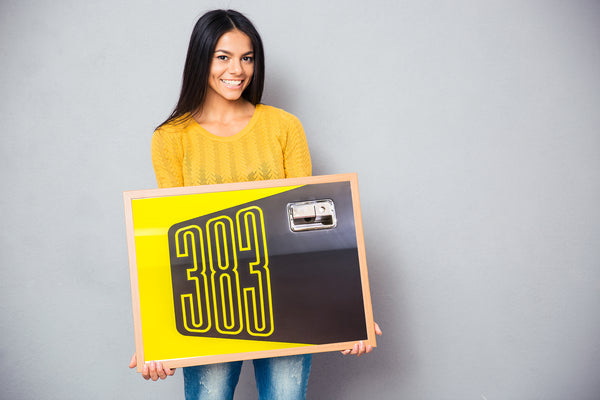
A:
[231,82]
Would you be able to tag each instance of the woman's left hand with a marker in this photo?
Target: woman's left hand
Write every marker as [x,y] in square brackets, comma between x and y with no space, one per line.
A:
[360,348]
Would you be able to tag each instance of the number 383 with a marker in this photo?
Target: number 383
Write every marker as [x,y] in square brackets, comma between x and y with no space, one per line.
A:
[206,268]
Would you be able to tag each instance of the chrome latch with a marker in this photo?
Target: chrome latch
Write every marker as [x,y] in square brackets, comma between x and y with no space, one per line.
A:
[312,215]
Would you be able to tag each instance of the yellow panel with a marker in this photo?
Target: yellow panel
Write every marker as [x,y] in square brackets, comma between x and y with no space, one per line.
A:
[152,218]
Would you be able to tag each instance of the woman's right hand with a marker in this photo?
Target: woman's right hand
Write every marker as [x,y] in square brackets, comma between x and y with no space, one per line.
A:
[152,370]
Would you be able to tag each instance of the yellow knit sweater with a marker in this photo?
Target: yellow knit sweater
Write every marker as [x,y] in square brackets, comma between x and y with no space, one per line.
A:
[271,146]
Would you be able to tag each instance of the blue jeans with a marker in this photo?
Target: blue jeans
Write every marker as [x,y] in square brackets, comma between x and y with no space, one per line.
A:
[280,378]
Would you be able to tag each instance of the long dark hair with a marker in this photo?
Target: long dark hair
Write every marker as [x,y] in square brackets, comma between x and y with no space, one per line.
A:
[208,30]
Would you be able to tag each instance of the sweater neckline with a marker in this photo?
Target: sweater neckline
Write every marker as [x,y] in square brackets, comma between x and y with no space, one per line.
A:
[240,134]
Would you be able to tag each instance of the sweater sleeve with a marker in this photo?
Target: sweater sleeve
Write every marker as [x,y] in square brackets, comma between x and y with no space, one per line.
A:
[167,158]
[297,161]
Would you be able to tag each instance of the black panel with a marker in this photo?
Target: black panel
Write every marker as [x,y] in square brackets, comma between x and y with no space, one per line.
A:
[314,275]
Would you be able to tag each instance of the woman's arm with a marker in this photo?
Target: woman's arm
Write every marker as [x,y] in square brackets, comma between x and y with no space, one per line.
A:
[167,162]
[167,158]
[296,157]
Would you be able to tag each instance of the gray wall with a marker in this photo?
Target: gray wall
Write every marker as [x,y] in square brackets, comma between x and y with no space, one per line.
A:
[474,128]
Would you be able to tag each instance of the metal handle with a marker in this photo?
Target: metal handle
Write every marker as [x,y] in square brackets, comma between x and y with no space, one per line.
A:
[312,215]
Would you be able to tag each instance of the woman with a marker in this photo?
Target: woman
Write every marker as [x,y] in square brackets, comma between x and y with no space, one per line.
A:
[219,132]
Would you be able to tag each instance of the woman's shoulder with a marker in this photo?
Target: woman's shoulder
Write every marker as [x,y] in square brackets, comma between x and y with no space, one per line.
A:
[275,113]
[175,127]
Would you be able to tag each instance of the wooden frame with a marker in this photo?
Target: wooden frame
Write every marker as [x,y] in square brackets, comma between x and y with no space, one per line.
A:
[217,274]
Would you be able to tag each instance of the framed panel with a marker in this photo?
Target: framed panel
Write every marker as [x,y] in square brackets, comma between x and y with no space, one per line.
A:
[247,270]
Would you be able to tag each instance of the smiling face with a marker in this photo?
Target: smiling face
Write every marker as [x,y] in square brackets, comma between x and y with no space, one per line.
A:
[232,67]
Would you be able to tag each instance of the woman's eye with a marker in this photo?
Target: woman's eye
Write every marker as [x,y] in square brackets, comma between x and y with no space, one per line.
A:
[222,58]
[247,59]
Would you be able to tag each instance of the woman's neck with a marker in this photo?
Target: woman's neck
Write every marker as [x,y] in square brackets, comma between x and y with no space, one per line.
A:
[223,117]
[216,109]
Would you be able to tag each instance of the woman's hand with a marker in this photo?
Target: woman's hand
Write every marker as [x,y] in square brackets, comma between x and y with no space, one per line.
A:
[360,348]
[152,370]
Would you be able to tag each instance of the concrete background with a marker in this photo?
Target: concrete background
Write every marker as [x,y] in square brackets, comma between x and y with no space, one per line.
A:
[474,128]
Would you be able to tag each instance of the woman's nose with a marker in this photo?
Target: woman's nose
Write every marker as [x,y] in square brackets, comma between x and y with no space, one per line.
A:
[235,66]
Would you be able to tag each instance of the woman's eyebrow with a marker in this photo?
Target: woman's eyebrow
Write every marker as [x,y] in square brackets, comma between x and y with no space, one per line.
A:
[230,53]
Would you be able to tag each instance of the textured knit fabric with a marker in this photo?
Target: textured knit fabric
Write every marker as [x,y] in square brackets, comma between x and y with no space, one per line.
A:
[271,146]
